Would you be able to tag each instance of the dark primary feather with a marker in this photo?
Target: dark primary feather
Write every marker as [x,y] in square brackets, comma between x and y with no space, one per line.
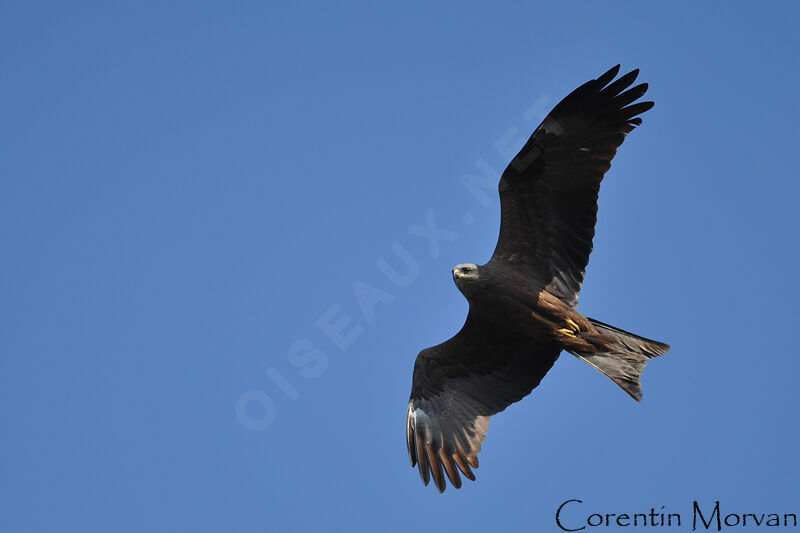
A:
[458,385]
[548,193]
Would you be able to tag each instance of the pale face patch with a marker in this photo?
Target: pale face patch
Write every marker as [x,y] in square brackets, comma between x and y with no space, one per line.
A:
[466,270]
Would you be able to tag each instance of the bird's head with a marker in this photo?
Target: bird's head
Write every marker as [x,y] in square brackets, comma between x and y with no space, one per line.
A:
[465,274]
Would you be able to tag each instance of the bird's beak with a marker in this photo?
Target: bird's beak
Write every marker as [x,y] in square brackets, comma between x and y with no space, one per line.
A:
[457,274]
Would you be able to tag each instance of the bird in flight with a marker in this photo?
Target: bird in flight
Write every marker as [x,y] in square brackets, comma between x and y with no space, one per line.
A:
[523,302]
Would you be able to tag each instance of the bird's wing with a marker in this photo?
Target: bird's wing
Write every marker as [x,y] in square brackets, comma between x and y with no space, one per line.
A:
[548,193]
[458,385]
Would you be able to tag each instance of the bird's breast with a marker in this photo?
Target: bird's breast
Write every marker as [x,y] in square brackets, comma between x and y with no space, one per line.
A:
[518,306]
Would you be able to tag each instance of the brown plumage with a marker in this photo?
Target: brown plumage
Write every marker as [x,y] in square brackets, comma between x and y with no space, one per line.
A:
[523,301]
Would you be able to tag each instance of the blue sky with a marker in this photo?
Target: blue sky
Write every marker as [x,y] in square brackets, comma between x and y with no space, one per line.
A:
[189,190]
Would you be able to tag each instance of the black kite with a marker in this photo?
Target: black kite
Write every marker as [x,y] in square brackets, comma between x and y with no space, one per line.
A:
[522,303]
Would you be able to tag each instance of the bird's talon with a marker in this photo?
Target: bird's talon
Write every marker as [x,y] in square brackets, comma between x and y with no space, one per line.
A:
[573,326]
[566,332]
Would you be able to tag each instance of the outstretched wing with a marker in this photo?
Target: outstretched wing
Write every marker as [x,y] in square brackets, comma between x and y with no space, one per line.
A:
[458,385]
[548,193]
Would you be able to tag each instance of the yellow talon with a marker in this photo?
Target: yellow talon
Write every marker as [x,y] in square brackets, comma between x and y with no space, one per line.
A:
[573,326]
[566,332]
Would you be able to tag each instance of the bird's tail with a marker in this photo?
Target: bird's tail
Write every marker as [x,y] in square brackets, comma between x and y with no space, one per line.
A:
[624,359]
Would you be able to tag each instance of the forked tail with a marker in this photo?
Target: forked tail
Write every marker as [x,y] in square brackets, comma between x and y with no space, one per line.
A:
[624,359]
